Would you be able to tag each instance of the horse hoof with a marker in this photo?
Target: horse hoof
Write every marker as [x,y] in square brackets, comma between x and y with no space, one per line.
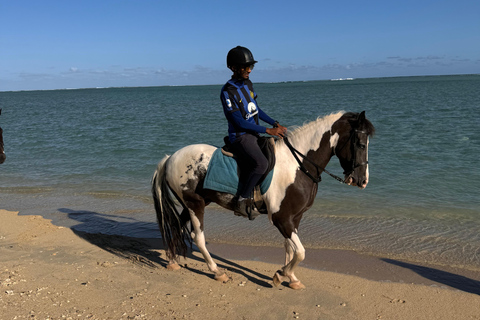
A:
[297,285]
[222,278]
[277,279]
[173,266]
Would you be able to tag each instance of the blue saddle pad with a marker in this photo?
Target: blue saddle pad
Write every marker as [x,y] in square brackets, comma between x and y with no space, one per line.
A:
[222,175]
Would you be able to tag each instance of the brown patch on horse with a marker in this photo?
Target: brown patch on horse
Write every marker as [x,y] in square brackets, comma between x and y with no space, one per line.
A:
[300,195]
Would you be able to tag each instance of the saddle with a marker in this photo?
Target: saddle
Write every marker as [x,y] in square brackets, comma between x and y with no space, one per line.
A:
[267,145]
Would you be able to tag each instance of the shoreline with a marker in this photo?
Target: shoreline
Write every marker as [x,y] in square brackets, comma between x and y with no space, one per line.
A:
[435,241]
[349,262]
[362,265]
[52,272]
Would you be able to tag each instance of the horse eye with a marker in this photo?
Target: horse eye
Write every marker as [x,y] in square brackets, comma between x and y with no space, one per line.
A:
[361,146]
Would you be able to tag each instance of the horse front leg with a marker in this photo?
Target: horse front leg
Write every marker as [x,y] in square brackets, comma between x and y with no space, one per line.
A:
[294,254]
[198,236]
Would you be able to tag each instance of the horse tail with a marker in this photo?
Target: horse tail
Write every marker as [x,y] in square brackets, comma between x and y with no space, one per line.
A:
[173,225]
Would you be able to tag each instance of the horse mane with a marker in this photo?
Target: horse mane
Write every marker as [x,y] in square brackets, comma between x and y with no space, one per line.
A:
[310,133]
[311,126]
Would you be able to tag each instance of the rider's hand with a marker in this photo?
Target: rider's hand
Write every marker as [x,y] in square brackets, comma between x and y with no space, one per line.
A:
[279,131]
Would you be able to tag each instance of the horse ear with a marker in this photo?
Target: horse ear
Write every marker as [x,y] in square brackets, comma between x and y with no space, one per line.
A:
[361,117]
[355,122]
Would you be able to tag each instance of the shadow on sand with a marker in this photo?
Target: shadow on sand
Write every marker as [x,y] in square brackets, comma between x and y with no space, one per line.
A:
[144,251]
[443,277]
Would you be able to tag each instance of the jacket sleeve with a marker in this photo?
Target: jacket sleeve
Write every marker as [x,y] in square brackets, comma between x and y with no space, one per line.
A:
[264,117]
[236,118]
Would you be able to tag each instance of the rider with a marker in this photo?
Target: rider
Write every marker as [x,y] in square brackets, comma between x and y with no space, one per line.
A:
[242,112]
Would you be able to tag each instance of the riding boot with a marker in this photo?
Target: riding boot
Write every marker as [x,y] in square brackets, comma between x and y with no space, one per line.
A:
[244,208]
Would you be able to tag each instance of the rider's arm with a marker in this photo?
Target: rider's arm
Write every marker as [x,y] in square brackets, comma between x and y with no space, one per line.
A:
[237,119]
[264,117]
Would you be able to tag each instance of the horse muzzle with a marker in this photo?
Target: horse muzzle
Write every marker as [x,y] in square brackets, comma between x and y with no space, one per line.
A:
[2,158]
[351,181]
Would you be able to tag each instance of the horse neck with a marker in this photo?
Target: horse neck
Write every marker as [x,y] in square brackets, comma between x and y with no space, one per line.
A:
[315,139]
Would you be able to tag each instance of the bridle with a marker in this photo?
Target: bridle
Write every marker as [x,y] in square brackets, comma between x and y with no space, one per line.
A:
[320,169]
[354,148]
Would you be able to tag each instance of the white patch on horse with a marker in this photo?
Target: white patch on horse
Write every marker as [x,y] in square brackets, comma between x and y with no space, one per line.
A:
[195,224]
[286,166]
[297,245]
[334,140]
[295,253]
[199,238]
[184,163]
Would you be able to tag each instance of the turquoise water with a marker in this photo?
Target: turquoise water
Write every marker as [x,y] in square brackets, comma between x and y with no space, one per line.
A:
[84,158]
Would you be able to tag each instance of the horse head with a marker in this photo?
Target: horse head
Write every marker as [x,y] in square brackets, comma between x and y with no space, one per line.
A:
[351,149]
[2,152]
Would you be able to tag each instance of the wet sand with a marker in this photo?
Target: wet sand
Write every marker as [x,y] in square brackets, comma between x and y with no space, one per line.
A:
[51,272]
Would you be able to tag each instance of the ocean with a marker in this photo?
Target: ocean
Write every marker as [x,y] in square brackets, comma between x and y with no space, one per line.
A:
[84,158]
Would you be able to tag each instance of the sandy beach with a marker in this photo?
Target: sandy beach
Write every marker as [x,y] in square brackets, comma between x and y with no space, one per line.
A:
[50,272]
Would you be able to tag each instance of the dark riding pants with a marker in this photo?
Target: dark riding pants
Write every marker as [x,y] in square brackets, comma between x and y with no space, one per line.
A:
[252,162]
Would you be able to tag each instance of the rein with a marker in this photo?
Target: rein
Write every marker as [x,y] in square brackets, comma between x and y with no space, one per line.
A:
[297,153]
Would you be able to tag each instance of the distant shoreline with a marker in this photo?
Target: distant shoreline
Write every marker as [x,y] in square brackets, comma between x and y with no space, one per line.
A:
[259,82]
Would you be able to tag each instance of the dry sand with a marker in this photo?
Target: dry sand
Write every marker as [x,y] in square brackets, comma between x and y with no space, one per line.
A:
[50,272]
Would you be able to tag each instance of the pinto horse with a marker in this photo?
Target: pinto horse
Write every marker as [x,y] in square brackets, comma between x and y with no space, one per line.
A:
[2,150]
[300,160]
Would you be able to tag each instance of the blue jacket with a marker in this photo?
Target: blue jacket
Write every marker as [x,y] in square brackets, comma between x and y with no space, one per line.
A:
[240,106]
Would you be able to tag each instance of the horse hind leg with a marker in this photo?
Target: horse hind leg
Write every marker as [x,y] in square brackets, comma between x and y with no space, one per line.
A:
[198,236]
[294,254]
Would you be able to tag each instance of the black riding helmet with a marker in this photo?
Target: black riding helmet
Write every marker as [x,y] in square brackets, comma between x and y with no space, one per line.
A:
[239,57]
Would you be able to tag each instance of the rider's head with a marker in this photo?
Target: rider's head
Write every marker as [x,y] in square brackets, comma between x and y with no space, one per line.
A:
[240,60]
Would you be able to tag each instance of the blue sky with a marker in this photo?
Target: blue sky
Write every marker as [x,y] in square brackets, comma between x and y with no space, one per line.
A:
[77,44]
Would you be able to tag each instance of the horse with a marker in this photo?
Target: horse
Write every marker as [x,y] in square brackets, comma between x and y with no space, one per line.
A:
[300,160]
[2,150]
